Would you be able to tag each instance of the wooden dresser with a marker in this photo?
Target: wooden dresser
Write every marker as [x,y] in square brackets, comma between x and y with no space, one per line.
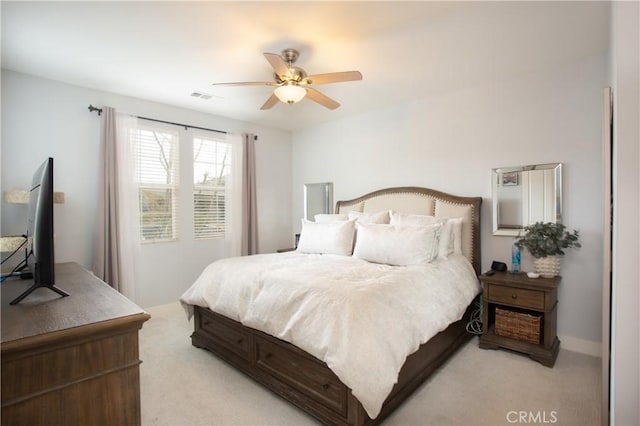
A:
[71,360]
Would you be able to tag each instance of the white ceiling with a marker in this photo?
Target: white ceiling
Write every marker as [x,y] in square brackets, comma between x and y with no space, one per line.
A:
[163,51]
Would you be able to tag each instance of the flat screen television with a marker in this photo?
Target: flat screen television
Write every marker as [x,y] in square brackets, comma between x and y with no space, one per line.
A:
[40,236]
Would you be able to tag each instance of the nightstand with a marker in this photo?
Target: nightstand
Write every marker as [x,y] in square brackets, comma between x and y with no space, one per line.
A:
[520,313]
[284,250]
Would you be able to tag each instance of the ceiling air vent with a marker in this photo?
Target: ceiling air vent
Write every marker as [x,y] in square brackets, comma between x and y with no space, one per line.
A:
[201,95]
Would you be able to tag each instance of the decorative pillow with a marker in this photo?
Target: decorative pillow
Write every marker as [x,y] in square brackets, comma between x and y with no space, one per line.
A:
[398,245]
[360,217]
[412,219]
[327,238]
[325,218]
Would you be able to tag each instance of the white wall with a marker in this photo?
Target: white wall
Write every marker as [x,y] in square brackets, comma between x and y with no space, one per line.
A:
[452,141]
[625,297]
[42,118]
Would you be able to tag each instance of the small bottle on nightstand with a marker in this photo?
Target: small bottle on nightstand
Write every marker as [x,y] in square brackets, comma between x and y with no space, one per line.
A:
[515,259]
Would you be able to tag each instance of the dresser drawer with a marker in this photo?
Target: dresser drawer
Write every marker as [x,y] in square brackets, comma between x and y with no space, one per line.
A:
[226,333]
[516,296]
[304,372]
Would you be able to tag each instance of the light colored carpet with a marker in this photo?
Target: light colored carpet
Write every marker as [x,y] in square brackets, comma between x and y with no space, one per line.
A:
[183,385]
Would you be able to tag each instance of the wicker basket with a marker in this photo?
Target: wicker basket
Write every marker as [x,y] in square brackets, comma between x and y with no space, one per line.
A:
[518,325]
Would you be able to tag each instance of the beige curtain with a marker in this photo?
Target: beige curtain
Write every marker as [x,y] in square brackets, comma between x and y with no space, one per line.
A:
[117,246]
[107,249]
[249,206]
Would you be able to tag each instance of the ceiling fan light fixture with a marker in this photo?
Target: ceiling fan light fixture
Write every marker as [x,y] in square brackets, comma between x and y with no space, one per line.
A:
[290,93]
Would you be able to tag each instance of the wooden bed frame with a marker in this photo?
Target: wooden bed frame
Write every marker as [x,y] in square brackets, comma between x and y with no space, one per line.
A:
[306,381]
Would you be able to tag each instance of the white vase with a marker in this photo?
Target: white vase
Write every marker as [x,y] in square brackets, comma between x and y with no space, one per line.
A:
[547,267]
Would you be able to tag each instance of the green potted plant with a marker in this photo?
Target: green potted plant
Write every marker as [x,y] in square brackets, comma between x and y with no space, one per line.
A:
[546,241]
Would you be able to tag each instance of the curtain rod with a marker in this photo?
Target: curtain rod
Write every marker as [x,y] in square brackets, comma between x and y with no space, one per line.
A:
[186,126]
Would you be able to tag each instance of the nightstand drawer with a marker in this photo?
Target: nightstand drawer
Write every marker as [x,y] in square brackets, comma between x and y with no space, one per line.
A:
[516,296]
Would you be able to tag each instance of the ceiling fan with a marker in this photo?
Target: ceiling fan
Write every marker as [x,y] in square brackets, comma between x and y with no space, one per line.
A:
[293,84]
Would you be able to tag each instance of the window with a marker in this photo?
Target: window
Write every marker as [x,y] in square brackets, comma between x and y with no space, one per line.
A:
[211,170]
[157,179]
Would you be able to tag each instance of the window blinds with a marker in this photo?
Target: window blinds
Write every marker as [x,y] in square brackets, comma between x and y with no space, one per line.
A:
[211,171]
[157,171]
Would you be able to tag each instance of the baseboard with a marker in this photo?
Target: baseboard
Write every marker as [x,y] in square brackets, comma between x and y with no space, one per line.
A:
[583,346]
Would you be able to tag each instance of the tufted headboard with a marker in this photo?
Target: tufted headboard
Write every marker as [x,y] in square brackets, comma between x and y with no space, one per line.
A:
[417,200]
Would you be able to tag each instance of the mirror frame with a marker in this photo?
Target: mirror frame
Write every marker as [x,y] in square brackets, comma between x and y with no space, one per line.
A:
[324,188]
[495,174]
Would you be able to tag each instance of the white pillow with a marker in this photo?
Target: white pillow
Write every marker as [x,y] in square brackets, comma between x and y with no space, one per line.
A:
[450,236]
[451,231]
[325,218]
[457,235]
[327,238]
[360,217]
[412,219]
[397,244]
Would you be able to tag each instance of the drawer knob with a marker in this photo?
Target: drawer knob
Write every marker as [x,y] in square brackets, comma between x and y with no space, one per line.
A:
[239,341]
[514,296]
[268,355]
[325,386]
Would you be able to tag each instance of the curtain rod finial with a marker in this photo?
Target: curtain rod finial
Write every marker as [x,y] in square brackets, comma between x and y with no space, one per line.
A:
[92,108]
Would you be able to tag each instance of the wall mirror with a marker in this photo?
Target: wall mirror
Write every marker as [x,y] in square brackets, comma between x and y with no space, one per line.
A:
[525,195]
[318,199]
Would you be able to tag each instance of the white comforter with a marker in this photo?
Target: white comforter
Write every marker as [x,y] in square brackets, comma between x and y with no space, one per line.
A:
[362,319]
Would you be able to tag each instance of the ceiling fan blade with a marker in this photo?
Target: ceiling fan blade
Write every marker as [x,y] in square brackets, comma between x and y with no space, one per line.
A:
[333,77]
[321,98]
[278,64]
[273,99]
[248,83]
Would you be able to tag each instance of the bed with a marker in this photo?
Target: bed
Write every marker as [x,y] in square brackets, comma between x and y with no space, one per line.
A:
[302,376]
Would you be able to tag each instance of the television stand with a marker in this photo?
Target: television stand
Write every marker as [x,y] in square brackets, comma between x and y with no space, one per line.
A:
[35,287]
[69,360]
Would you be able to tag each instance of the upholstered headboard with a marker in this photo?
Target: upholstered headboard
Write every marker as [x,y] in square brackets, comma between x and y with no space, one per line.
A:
[416,200]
